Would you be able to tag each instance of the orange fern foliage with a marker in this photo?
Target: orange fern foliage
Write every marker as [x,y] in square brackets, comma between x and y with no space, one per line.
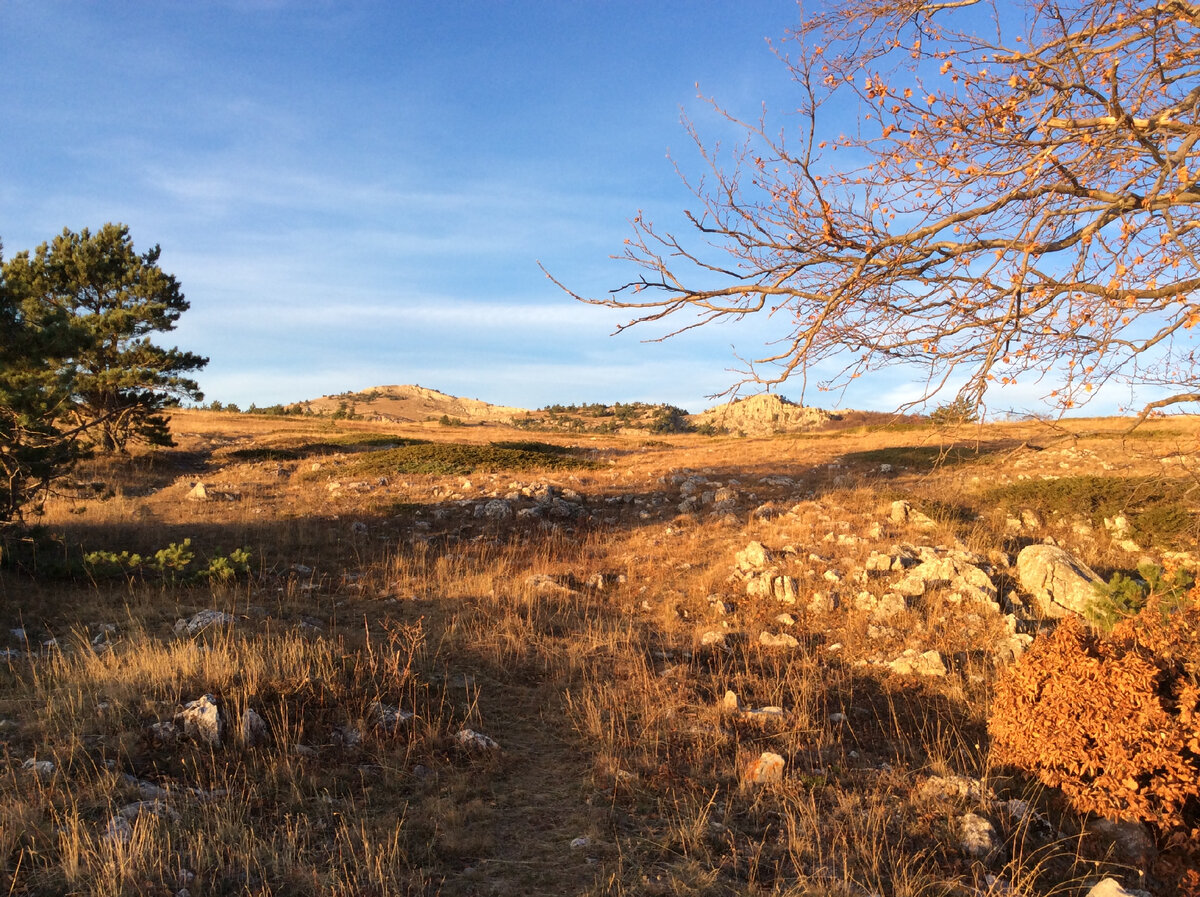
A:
[1113,721]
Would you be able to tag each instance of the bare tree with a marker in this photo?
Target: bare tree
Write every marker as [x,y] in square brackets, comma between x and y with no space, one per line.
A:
[1013,200]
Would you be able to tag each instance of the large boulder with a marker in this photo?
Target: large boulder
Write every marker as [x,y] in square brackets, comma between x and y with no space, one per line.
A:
[1059,583]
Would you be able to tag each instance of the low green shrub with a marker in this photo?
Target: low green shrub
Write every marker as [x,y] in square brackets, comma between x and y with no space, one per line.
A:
[172,564]
[457,459]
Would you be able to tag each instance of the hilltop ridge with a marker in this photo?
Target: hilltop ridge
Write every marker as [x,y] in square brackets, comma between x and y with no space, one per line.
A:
[411,403]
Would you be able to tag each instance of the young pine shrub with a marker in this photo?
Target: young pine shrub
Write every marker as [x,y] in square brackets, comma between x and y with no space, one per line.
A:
[1113,720]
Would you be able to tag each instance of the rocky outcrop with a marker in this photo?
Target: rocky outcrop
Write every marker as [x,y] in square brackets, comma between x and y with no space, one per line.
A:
[1059,583]
[761,415]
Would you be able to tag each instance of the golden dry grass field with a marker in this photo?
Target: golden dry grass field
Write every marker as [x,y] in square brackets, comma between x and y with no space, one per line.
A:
[588,605]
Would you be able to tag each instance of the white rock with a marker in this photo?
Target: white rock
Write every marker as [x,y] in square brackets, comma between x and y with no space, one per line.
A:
[158,808]
[784,589]
[953,786]
[929,663]
[496,509]
[43,769]
[1058,582]
[767,769]
[783,640]
[979,838]
[198,493]
[475,741]
[254,728]
[1110,887]
[118,830]
[201,719]
[389,718]
[754,556]
[202,620]
[580,843]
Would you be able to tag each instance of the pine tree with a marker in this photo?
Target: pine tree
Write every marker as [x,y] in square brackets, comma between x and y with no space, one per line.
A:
[120,381]
[34,393]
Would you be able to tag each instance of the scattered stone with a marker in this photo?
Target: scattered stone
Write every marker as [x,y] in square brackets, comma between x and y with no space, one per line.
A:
[979,838]
[497,509]
[548,586]
[1058,582]
[713,638]
[730,702]
[358,528]
[1110,887]
[43,769]
[254,729]
[389,718]
[201,719]
[823,602]
[198,493]
[753,557]
[580,843]
[202,620]
[139,808]
[913,662]
[165,732]
[765,712]
[475,741]
[784,589]
[952,787]
[879,563]
[767,769]
[118,830]
[783,640]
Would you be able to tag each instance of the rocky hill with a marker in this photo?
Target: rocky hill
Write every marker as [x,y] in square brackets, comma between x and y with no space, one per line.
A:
[411,403]
[761,415]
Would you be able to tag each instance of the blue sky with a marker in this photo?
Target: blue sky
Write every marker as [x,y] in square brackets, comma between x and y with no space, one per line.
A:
[358,193]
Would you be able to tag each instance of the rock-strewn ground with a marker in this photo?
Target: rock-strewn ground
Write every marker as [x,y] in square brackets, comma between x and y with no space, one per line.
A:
[725,666]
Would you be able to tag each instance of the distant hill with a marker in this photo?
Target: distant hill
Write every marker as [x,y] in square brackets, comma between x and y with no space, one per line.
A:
[411,404]
[761,415]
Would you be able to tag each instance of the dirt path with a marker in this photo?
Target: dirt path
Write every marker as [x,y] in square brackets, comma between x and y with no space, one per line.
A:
[535,798]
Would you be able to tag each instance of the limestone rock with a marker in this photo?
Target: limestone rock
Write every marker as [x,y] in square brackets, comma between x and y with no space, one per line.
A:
[762,415]
[254,729]
[198,493]
[952,786]
[43,769]
[475,741]
[389,718]
[1058,582]
[753,557]
[783,640]
[979,838]
[497,509]
[1110,887]
[913,662]
[201,719]
[202,620]
[766,769]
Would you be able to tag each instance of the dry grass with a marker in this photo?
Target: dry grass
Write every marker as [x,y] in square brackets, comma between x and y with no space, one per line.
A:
[594,677]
